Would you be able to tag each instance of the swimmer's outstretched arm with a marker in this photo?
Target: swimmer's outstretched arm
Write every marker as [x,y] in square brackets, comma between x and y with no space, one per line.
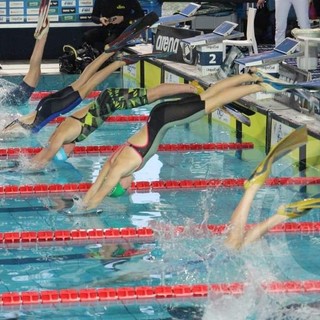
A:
[41,159]
[124,163]
[101,187]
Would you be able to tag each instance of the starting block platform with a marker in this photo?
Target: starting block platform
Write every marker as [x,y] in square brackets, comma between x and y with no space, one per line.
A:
[210,38]
[224,31]
[185,15]
[285,50]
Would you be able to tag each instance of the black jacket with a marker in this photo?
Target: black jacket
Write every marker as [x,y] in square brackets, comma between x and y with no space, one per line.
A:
[129,9]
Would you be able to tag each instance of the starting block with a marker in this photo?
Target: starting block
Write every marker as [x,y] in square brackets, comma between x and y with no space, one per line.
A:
[285,50]
[186,14]
[210,48]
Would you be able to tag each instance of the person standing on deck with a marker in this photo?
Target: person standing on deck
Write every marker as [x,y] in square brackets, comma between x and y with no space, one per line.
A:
[282,8]
[114,16]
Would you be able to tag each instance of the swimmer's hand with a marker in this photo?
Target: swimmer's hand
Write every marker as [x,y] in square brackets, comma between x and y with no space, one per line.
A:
[79,208]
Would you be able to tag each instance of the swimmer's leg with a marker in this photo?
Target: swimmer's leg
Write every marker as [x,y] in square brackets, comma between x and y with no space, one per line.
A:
[285,212]
[169,89]
[237,229]
[292,141]
[33,75]
[227,84]
[98,77]
[226,96]
[237,235]
[90,70]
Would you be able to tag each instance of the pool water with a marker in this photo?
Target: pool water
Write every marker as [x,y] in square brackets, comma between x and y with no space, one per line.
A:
[188,259]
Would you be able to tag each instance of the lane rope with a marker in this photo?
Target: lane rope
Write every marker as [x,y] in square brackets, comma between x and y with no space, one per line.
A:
[146,186]
[164,292]
[84,150]
[132,234]
[42,94]
[114,118]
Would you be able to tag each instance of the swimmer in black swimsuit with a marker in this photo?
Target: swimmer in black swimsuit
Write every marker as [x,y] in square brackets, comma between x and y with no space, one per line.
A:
[85,121]
[144,144]
[68,98]
[21,93]
[116,173]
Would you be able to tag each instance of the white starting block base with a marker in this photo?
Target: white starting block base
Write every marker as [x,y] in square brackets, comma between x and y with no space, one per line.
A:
[310,59]
[209,58]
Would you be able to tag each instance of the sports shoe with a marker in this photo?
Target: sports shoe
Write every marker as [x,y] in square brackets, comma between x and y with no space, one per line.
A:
[132,32]
[299,208]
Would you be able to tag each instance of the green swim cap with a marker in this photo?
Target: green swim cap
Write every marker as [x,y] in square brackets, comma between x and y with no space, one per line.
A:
[117,191]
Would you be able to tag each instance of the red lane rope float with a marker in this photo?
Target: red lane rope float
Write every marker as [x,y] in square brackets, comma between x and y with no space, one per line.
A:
[45,189]
[79,150]
[117,118]
[42,94]
[145,234]
[87,295]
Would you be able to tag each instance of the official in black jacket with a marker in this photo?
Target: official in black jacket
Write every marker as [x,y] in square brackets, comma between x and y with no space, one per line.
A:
[113,16]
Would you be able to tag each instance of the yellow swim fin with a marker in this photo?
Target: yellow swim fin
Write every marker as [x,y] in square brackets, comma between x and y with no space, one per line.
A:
[299,208]
[295,139]
[197,86]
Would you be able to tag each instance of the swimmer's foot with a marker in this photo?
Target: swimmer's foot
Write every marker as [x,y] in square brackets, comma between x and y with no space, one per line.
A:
[267,82]
[300,208]
[132,32]
[134,58]
[237,115]
[260,76]
[295,139]
[43,30]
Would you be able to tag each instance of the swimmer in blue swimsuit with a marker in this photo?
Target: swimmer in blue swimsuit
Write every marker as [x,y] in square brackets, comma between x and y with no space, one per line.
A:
[65,100]
[86,120]
[21,93]
[68,98]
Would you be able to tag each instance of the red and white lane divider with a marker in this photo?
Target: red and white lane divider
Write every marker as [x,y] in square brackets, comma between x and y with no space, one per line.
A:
[131,234]
[85,150]
[140,293]
[56,188]
[114,118]
[42,94]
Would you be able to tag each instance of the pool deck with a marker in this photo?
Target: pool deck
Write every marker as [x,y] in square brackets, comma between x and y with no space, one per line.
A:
[18,68]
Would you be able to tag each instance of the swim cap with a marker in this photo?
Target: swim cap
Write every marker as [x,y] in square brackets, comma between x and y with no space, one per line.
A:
[117,191]
[61,155]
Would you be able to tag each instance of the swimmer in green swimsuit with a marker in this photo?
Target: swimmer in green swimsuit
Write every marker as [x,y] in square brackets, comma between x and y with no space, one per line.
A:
[86,120]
